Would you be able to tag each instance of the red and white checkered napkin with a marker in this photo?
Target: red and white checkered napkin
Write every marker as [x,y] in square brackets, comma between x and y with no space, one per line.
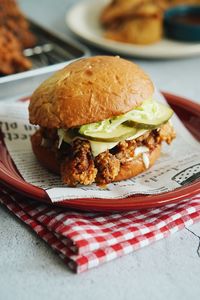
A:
[86,240]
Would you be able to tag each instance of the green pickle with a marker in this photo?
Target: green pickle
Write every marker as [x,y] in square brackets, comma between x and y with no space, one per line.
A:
[149,115]
[120,133]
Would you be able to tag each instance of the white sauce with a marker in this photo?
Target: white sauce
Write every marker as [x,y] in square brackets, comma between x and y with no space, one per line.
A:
[146,161]
[140,150]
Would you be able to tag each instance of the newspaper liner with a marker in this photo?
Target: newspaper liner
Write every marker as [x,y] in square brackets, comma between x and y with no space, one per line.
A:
[179,163]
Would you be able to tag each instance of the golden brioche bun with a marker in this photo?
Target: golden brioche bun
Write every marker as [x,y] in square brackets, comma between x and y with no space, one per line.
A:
[45,156]
[48,159]
[89,90]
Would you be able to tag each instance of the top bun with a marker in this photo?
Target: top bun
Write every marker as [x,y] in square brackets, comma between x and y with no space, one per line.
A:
[89,90]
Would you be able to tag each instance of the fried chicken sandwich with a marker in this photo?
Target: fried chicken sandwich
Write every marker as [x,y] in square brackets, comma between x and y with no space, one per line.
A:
[98,121]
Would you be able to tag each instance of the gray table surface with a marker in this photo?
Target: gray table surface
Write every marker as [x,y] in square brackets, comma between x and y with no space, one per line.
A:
[168,269]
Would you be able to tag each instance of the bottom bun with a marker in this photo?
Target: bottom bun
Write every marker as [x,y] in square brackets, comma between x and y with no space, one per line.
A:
[45,156]
[136,166]
[48,159]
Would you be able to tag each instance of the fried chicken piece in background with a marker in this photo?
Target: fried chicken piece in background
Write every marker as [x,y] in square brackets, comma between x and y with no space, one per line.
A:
[14,37]
[134,21]
[120,9]
[138,31]
[12,18]
[11,58]
[137,21]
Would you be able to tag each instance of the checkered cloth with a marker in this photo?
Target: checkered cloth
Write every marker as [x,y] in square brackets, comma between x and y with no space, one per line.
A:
[87,240]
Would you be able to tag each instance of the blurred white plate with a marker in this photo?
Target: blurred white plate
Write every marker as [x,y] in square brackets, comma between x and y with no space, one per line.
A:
[83,20]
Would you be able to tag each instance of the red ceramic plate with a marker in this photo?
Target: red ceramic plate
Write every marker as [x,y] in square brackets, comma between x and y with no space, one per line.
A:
[188,112]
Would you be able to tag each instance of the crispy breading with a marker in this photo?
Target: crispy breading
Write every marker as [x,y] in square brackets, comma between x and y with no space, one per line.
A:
[166,133]
[79,166]
[124,150]
[108,166]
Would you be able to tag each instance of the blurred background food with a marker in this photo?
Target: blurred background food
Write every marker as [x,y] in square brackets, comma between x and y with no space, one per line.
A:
[15,36]
[137,21]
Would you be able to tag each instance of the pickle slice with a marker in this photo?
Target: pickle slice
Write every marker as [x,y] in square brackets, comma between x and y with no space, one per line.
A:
[142,125]
[120,133]
[151,117]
